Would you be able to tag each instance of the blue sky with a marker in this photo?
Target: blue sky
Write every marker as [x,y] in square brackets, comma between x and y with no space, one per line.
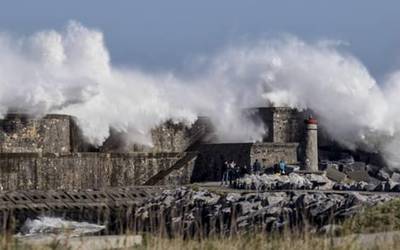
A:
[167,34]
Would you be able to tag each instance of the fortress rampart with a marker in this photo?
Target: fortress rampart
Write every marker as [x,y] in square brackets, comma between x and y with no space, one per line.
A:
[24,171]
[50,153]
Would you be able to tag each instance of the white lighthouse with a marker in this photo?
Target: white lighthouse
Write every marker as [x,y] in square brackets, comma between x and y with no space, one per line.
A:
[311,145]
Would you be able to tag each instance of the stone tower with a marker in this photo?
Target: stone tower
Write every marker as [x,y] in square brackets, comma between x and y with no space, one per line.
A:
[284,124]
[311,145]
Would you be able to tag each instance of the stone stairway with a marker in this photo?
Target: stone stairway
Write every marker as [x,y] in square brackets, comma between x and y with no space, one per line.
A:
[183,162]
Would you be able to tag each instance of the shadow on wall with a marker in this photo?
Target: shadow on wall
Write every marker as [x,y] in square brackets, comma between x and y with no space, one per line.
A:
[211,158]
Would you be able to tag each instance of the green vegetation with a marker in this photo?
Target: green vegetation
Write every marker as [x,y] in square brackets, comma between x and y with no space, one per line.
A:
[381,218]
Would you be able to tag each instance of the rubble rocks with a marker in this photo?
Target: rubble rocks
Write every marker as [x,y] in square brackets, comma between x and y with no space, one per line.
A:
[383,175]
[357,176]
[395,177]
[188,212]
[283,182]
[385,186]
[353,177]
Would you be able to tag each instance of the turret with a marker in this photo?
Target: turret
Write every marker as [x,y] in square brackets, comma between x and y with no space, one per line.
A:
[311,145]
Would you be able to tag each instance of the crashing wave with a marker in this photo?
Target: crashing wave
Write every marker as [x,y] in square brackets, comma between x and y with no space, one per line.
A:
[53,225]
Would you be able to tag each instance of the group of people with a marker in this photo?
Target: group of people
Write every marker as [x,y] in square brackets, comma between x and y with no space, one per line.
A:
[231,171]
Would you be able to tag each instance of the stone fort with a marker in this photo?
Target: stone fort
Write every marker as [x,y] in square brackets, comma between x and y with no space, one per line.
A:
[50,153]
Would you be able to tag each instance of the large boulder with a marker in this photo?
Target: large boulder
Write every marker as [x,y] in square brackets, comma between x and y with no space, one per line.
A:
[395,177]
[383,175]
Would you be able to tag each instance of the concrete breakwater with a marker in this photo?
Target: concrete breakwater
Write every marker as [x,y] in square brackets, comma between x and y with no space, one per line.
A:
[184,211]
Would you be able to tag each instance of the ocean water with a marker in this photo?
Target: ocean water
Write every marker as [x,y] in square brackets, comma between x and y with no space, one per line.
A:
[44,225]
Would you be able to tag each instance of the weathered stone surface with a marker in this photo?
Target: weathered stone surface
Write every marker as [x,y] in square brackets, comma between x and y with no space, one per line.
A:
[194,212]
[40,154]
[383,175]
[180,172]
[359,175]
[167,137]
[59,135]
[284,124]
[50,134]
[270,154]
[334,174]
[358,166]
[385,186]
[395,177]
[87,170]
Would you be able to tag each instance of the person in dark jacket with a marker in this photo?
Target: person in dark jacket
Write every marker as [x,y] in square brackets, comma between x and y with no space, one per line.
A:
[225,173]
[232,172]
[242,170]
[256,167]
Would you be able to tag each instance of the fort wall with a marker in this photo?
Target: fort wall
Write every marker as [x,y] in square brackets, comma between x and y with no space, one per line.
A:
[270,154]
[50,134]
[177,137]
[167,137]
[26,171]
[49,153]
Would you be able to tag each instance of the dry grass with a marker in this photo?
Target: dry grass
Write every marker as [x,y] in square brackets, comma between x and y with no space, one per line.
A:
[381,218]
[283,242]
[289,241]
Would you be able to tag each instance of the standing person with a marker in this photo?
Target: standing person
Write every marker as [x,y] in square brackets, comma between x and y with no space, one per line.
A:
[248,169]
[238,172]
[232,173]
[282,167]
[307,164]
[243,171]
[263,168]
[225,173]
[256,167]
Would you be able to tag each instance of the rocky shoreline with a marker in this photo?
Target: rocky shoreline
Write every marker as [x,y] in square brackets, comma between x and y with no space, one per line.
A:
[187,212]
